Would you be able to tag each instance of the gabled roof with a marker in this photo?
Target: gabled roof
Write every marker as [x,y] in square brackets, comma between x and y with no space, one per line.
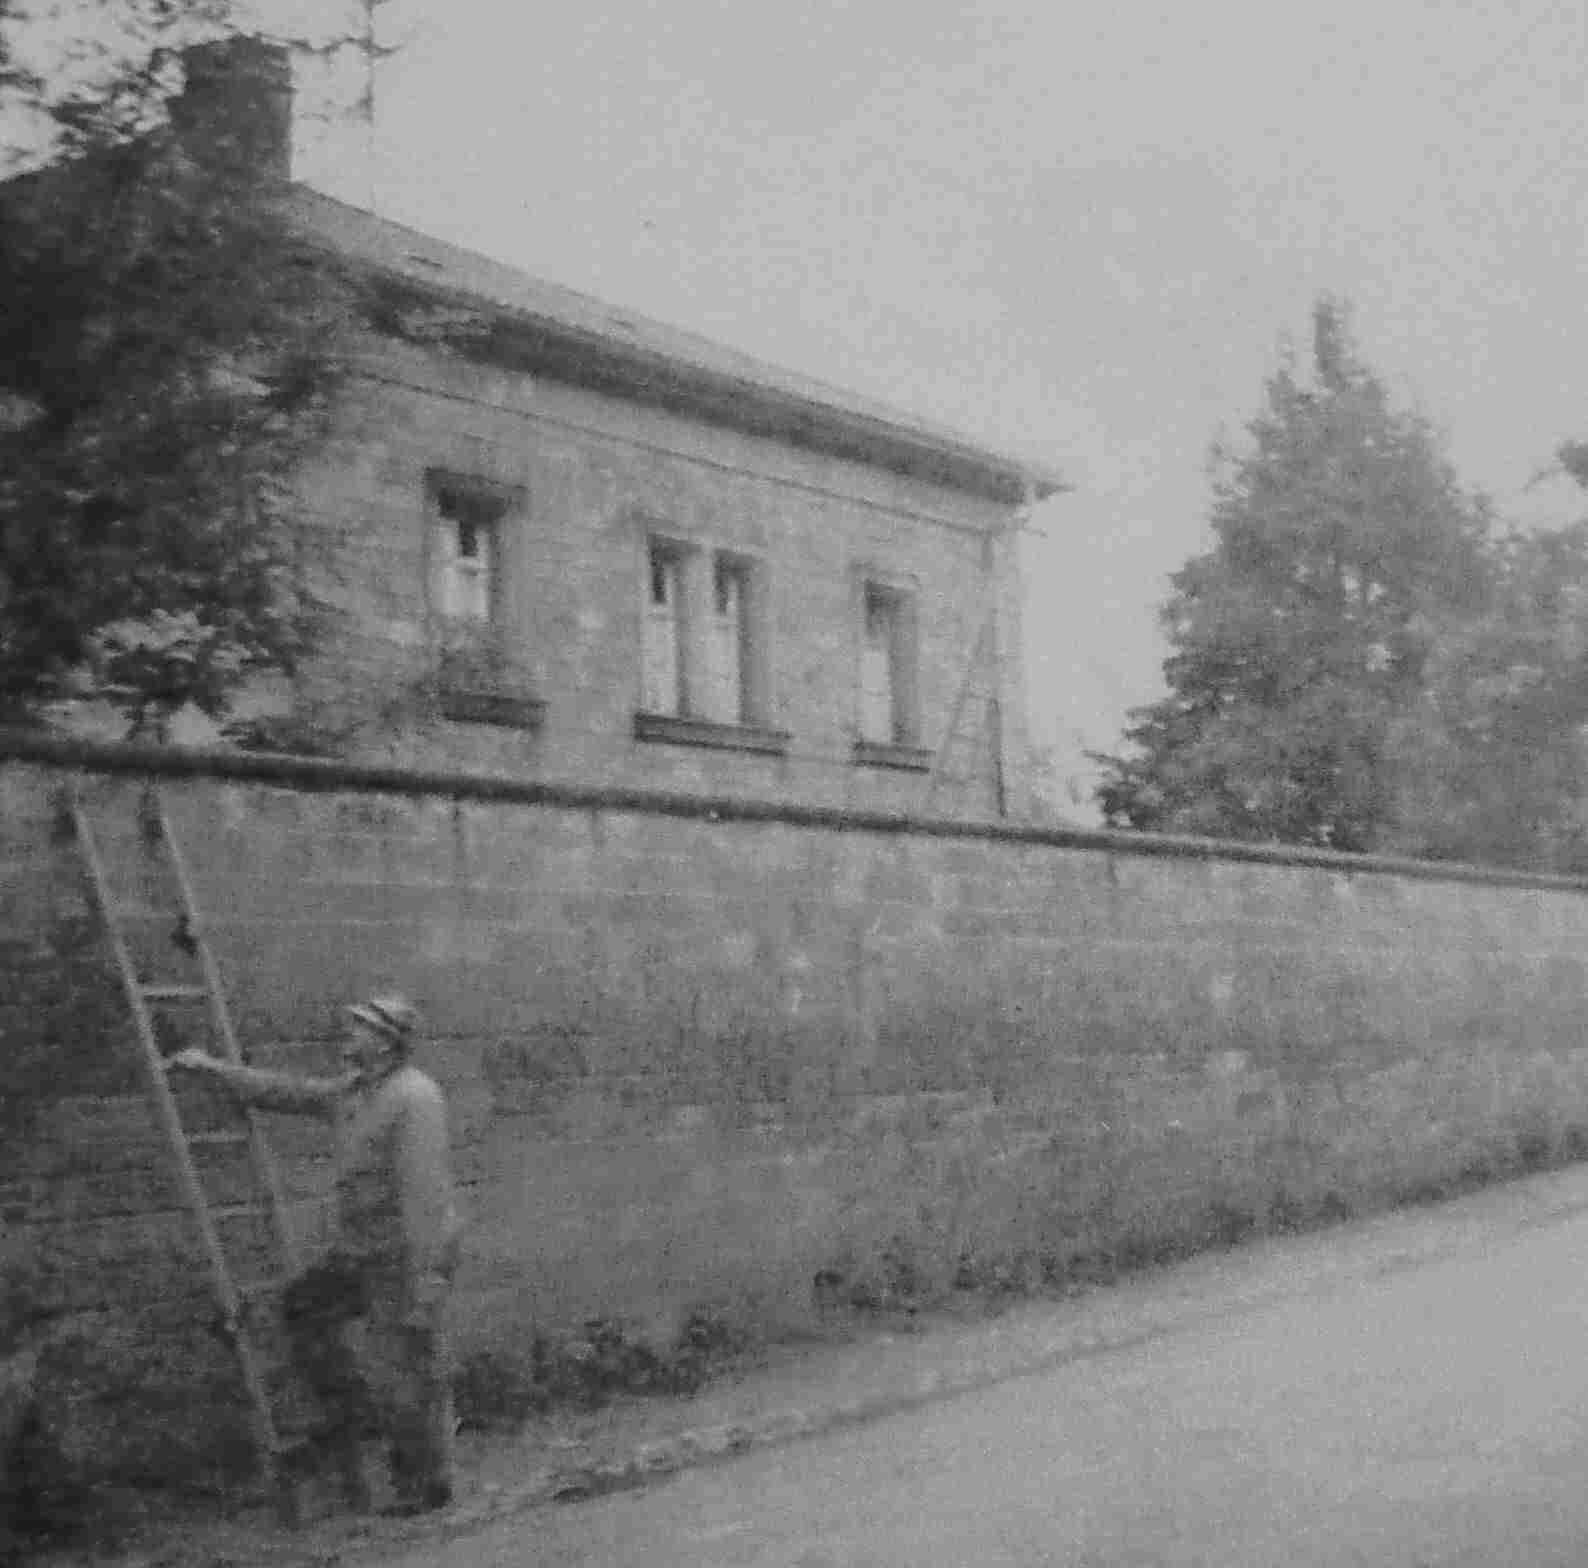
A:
[544,328]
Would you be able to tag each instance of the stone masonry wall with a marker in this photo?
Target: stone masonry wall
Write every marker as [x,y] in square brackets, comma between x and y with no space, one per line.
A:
[596,474]
[695,1059]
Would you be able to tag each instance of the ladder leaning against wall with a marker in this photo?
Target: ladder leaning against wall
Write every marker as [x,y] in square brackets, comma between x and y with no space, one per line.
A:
[144,897]
[964,742]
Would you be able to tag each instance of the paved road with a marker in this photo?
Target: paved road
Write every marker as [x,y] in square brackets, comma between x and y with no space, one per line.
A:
[1435,1416]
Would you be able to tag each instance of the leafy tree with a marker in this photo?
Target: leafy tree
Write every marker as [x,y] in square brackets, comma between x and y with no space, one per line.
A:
[1343,544]
[1573,458]
[1491,760]
[167,355]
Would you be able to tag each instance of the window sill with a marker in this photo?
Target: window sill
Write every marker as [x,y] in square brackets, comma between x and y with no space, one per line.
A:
[676,731]
[463,705]
[880,754]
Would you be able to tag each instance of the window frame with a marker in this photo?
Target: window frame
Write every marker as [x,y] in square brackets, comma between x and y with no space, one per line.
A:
[464,492]
[671,554]
[903,748]
[480,675]
[701,563]
[748,635]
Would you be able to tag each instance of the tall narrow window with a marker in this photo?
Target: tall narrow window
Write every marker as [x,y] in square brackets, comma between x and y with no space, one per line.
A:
[664,630]
[465,558]
[879,660]
[729,692]
[481,673]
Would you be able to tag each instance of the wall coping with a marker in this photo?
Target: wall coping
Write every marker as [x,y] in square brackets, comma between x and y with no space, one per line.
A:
[319,775]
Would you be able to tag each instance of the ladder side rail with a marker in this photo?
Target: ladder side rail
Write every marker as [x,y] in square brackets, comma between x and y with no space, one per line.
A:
[995,708]
[266,1168]
[957,713]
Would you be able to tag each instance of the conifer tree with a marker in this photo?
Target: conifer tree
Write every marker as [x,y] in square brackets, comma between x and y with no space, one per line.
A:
[1342,545]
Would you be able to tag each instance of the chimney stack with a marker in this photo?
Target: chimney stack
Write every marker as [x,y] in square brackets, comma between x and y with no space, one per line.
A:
[236,109]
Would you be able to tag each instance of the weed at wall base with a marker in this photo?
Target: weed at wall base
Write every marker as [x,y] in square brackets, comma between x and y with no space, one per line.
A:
[504,1389]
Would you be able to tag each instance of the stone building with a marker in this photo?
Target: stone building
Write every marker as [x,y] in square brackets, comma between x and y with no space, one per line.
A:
[576,545]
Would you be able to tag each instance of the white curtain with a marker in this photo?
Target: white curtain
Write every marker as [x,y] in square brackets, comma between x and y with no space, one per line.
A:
[725,676]
[462,566]
[663,637]
[877,705]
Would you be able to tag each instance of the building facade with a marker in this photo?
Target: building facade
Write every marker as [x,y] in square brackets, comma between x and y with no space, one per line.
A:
[571,544]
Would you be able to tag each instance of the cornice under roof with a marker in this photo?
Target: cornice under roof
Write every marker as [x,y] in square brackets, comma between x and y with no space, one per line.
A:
[546,329]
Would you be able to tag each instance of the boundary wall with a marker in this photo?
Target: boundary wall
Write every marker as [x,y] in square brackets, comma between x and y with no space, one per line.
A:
[700,1052]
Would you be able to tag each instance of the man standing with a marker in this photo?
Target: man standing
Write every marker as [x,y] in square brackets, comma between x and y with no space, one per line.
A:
[395,1252]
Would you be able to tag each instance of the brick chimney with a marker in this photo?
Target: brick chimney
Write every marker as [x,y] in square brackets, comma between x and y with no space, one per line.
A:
[236,108]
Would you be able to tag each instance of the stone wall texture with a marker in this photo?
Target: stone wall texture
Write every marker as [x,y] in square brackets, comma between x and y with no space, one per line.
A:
[694,1060]
[593,476]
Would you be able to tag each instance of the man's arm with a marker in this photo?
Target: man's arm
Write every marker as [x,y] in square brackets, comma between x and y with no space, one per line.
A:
[267,1091]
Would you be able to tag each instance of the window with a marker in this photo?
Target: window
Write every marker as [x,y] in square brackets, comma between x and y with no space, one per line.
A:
[729,695]
[465,556]
[887,668]
[664,630]
[705,678]
[887,696]
[479,678]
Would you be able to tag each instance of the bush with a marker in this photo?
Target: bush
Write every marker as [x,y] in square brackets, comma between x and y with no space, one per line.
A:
[497,1390]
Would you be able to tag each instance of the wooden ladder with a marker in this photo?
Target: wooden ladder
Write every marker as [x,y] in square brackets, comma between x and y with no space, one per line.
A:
[166,1016]
[979,683]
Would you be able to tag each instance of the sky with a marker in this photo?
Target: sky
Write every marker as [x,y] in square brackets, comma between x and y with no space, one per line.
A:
[1078,233]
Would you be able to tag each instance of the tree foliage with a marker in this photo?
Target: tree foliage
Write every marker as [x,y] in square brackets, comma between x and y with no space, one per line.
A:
[1342,545]
[167,355]
[1490,758]
[1365,660]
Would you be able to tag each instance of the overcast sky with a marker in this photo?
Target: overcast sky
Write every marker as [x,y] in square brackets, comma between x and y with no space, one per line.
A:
[1076,231]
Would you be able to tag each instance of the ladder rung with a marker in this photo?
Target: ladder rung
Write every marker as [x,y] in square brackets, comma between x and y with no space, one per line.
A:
[144,912]
[174,993]
[216,1140]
